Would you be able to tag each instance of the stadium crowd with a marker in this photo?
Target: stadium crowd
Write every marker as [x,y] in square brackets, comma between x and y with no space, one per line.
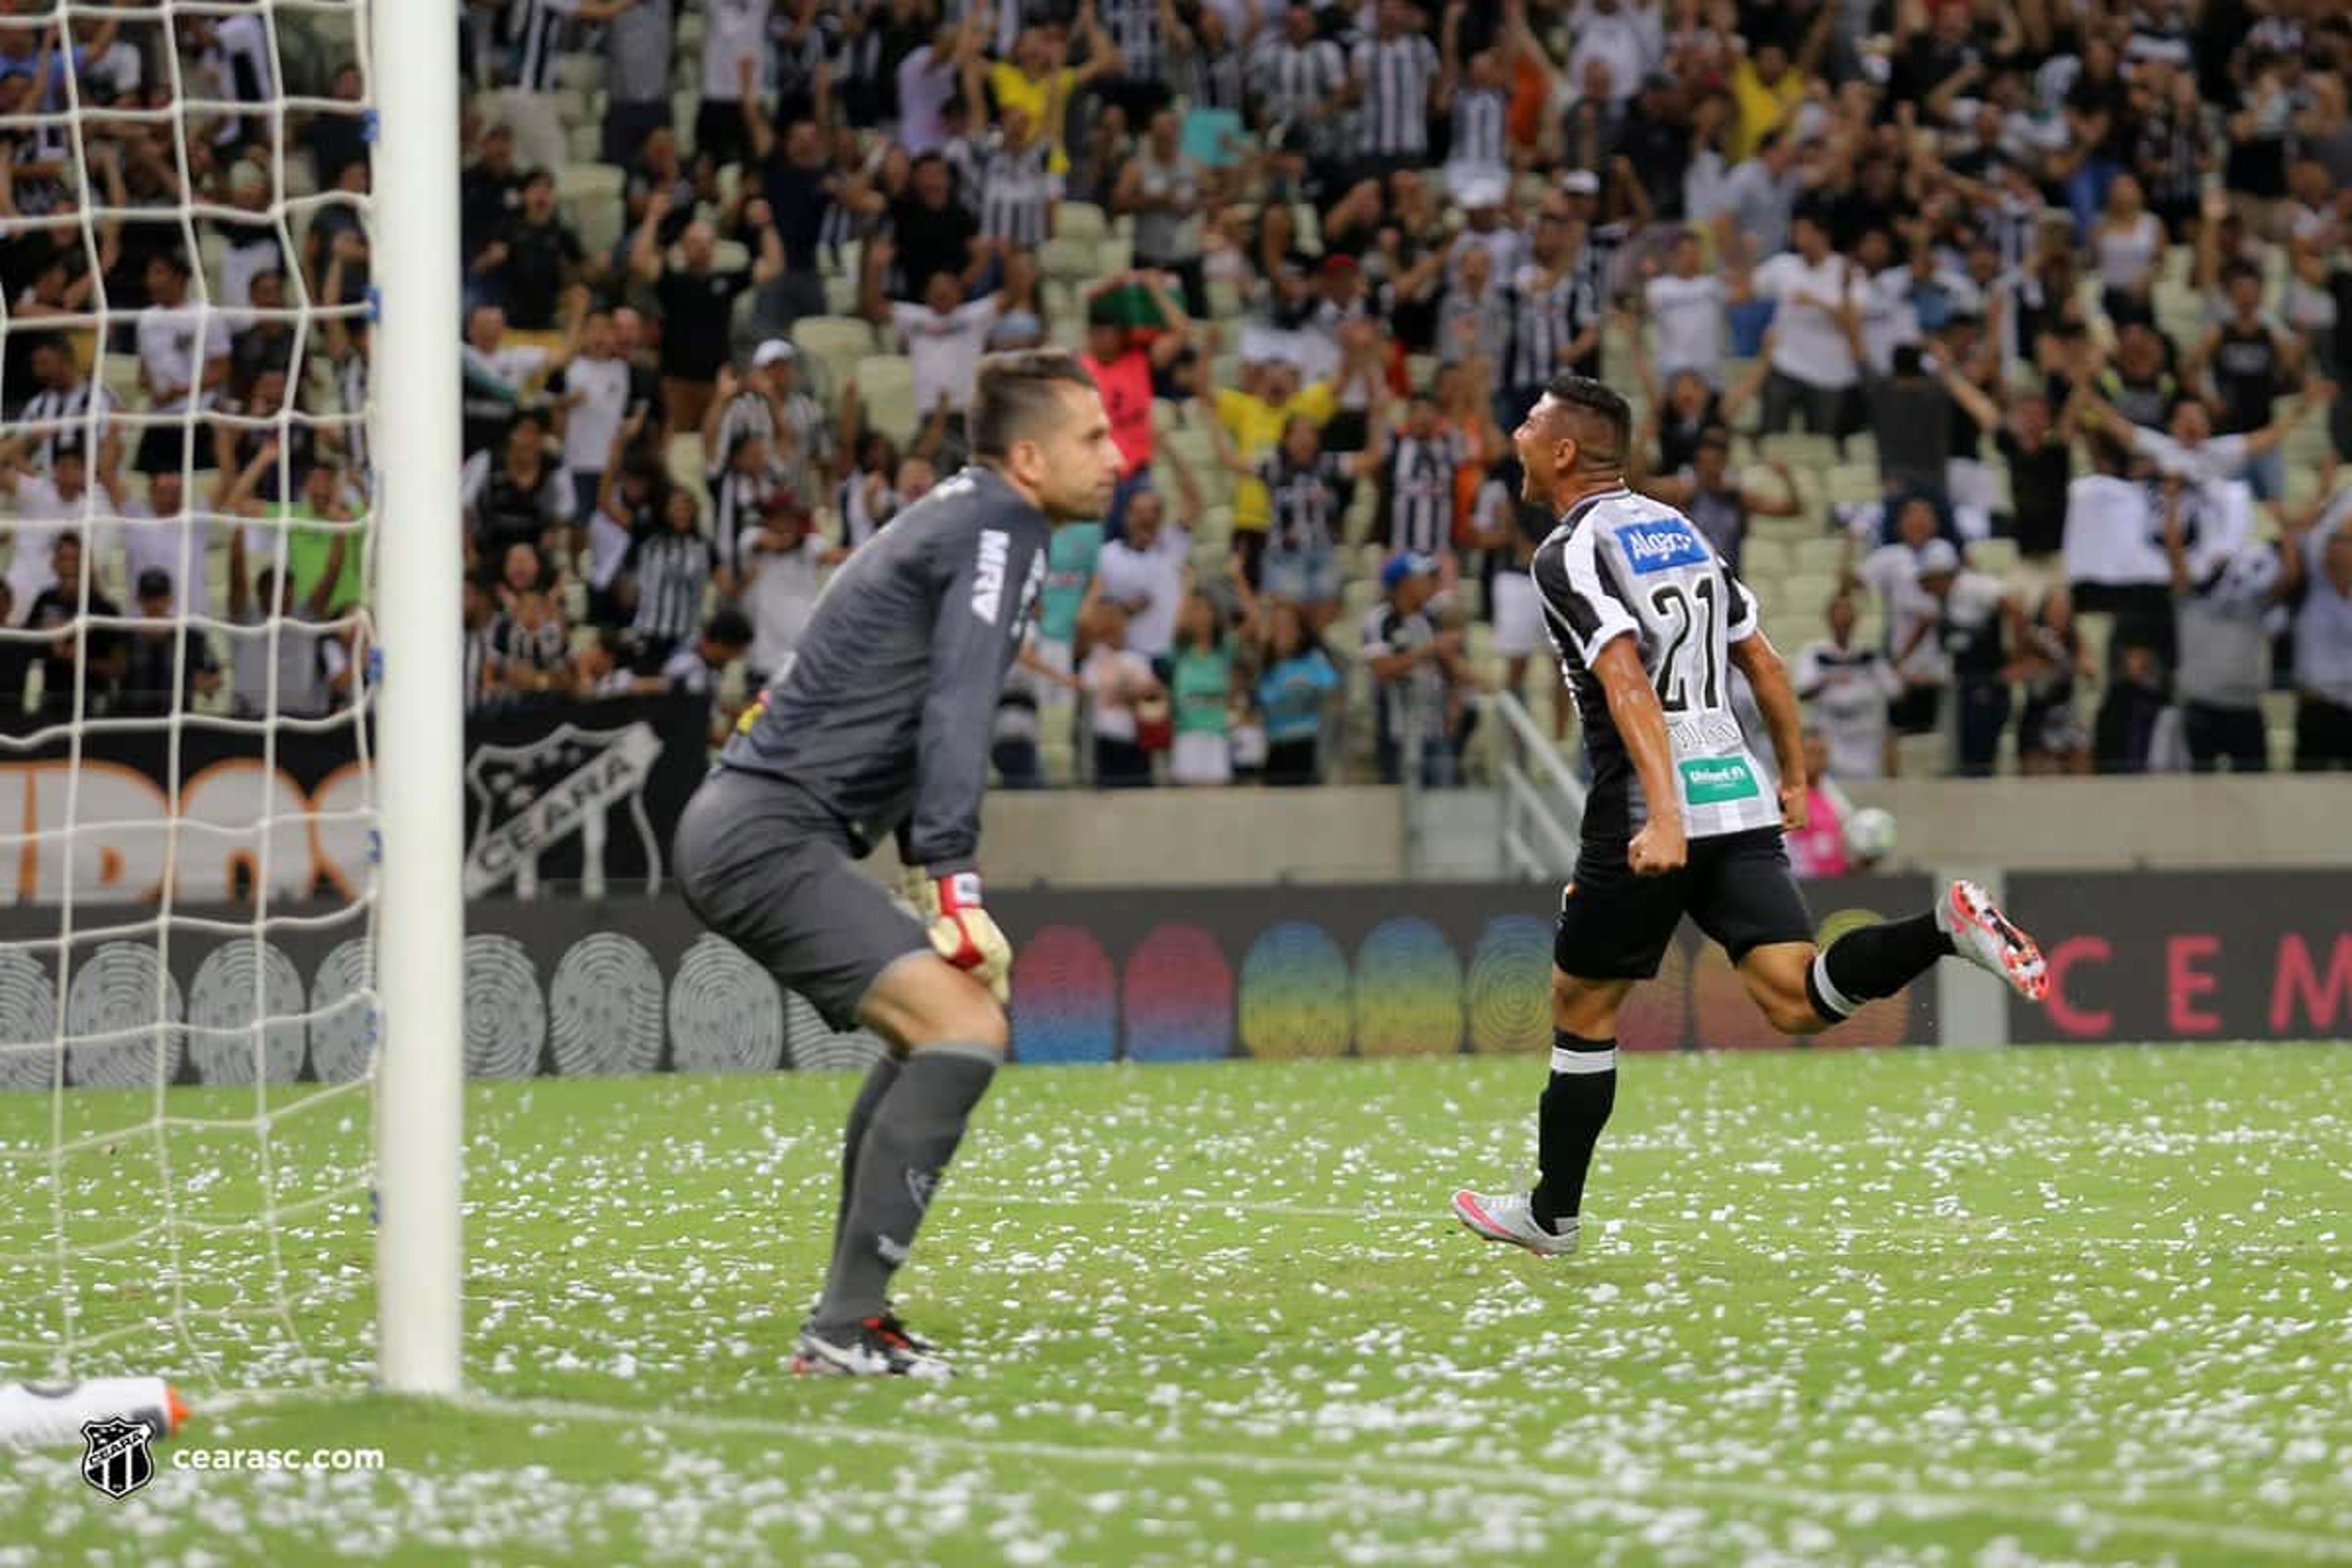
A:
[1995,343]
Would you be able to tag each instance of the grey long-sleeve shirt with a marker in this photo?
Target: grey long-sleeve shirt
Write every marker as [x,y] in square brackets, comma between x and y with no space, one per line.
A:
[885,715]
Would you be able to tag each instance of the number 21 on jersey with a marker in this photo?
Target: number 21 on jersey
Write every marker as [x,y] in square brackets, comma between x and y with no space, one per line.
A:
[1689,659]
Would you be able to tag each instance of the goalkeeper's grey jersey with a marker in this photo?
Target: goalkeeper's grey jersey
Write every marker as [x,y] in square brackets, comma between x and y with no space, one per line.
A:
[1621,564]
[883,717]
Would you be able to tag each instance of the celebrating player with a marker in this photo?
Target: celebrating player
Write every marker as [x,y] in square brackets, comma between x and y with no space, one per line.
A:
[882,724]
[1645,617]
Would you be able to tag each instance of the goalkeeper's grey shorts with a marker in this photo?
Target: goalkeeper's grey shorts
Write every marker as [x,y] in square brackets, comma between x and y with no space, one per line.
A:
[768,869]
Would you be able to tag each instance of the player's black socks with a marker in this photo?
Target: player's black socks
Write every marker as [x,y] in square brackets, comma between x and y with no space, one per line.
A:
[878,1079]
[1576,1106]
[913,1135]
[1873,961]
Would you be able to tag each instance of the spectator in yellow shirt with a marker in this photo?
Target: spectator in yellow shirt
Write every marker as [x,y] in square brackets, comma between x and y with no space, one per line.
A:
[1250,420]
[1039,82]
[1766,86]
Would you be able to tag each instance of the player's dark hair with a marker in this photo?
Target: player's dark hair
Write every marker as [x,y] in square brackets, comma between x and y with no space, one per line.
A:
[1592,402]
[1014,397]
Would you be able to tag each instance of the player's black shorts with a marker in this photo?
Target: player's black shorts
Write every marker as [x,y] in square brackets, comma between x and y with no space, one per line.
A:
[770,870]
[1614,925]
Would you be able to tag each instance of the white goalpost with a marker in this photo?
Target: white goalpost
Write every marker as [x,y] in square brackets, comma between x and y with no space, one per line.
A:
[421,931]
[232,1027]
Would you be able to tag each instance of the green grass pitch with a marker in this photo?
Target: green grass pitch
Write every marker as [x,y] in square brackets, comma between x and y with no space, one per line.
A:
[1906,1307]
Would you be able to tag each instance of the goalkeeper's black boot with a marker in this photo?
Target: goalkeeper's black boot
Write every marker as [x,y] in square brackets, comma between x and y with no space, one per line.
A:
[877,1347]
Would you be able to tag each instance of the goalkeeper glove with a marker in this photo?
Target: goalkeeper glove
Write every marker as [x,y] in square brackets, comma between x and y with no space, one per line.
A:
[962,931]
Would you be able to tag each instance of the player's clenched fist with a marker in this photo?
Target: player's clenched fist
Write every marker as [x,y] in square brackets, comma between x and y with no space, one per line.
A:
[1658,849]
[962,931]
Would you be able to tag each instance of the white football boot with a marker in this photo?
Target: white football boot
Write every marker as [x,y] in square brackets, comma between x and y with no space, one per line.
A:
[1984,936]
[1510,1218]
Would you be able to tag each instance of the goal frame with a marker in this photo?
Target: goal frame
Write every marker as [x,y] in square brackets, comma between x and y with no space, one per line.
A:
[420,751]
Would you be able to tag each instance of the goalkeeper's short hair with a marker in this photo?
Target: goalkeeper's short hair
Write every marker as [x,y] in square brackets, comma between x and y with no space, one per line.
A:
[1014,397]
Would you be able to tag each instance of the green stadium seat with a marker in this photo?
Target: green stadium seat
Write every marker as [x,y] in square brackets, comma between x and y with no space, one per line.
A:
[1069,261]
[1804,594]
[1801,451]
[1761,558]
[683,458]
[887,383]
[1993,555]
[839,342]
[1851,482]
[1818,554]
[1080,221]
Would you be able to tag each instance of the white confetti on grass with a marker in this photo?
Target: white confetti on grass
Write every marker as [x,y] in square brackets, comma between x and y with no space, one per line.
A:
[1897,1308]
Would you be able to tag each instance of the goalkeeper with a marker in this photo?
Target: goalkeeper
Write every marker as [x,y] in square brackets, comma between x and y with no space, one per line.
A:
[881,724]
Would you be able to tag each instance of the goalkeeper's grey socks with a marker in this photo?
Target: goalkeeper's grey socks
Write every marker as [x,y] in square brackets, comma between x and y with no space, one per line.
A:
[1575,1107]
[916,1128]
[878,1079]
[1873,961]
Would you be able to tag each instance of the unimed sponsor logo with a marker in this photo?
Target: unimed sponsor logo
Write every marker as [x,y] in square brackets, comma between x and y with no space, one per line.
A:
[1656,546]
[1709,782]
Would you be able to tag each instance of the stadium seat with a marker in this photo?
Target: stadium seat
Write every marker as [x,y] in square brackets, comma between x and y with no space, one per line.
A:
[1804,594]
[837,343]
[1069,261]
[583,143]
[591,197]
[1851,482]
[1195,449]
[1115,254]
[887,384]
[1761,558]
[683,458]
[1801,451]
[1080,221]
[1817,553]
[1993,555]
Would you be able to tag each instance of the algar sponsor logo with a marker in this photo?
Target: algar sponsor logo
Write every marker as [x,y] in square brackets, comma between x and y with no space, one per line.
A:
[1654,547]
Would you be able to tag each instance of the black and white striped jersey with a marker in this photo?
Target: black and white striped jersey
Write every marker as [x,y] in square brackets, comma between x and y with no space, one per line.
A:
[1394,116]
[1207,79]
[1133,27]
[1478,113]
[484,669]
[63,416]
[1621,564]
[1544,319]
[537,32]
[1306,500]
[1014,191]
[672,571]
[736,503]
[1596,266]
[1297,86]
[1417,491]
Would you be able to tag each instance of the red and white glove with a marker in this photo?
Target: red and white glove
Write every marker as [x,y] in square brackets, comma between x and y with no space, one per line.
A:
[961,930]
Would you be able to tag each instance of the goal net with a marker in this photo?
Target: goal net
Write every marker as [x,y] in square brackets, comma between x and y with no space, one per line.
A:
[190,1019]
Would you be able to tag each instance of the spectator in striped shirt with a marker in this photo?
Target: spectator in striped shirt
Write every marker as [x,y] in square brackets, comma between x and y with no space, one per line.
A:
[1396,73]
[1307,489]
[1018,183]
[672,574]
[1137,31]
[1417,487]
[67,399]
[1302,91]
